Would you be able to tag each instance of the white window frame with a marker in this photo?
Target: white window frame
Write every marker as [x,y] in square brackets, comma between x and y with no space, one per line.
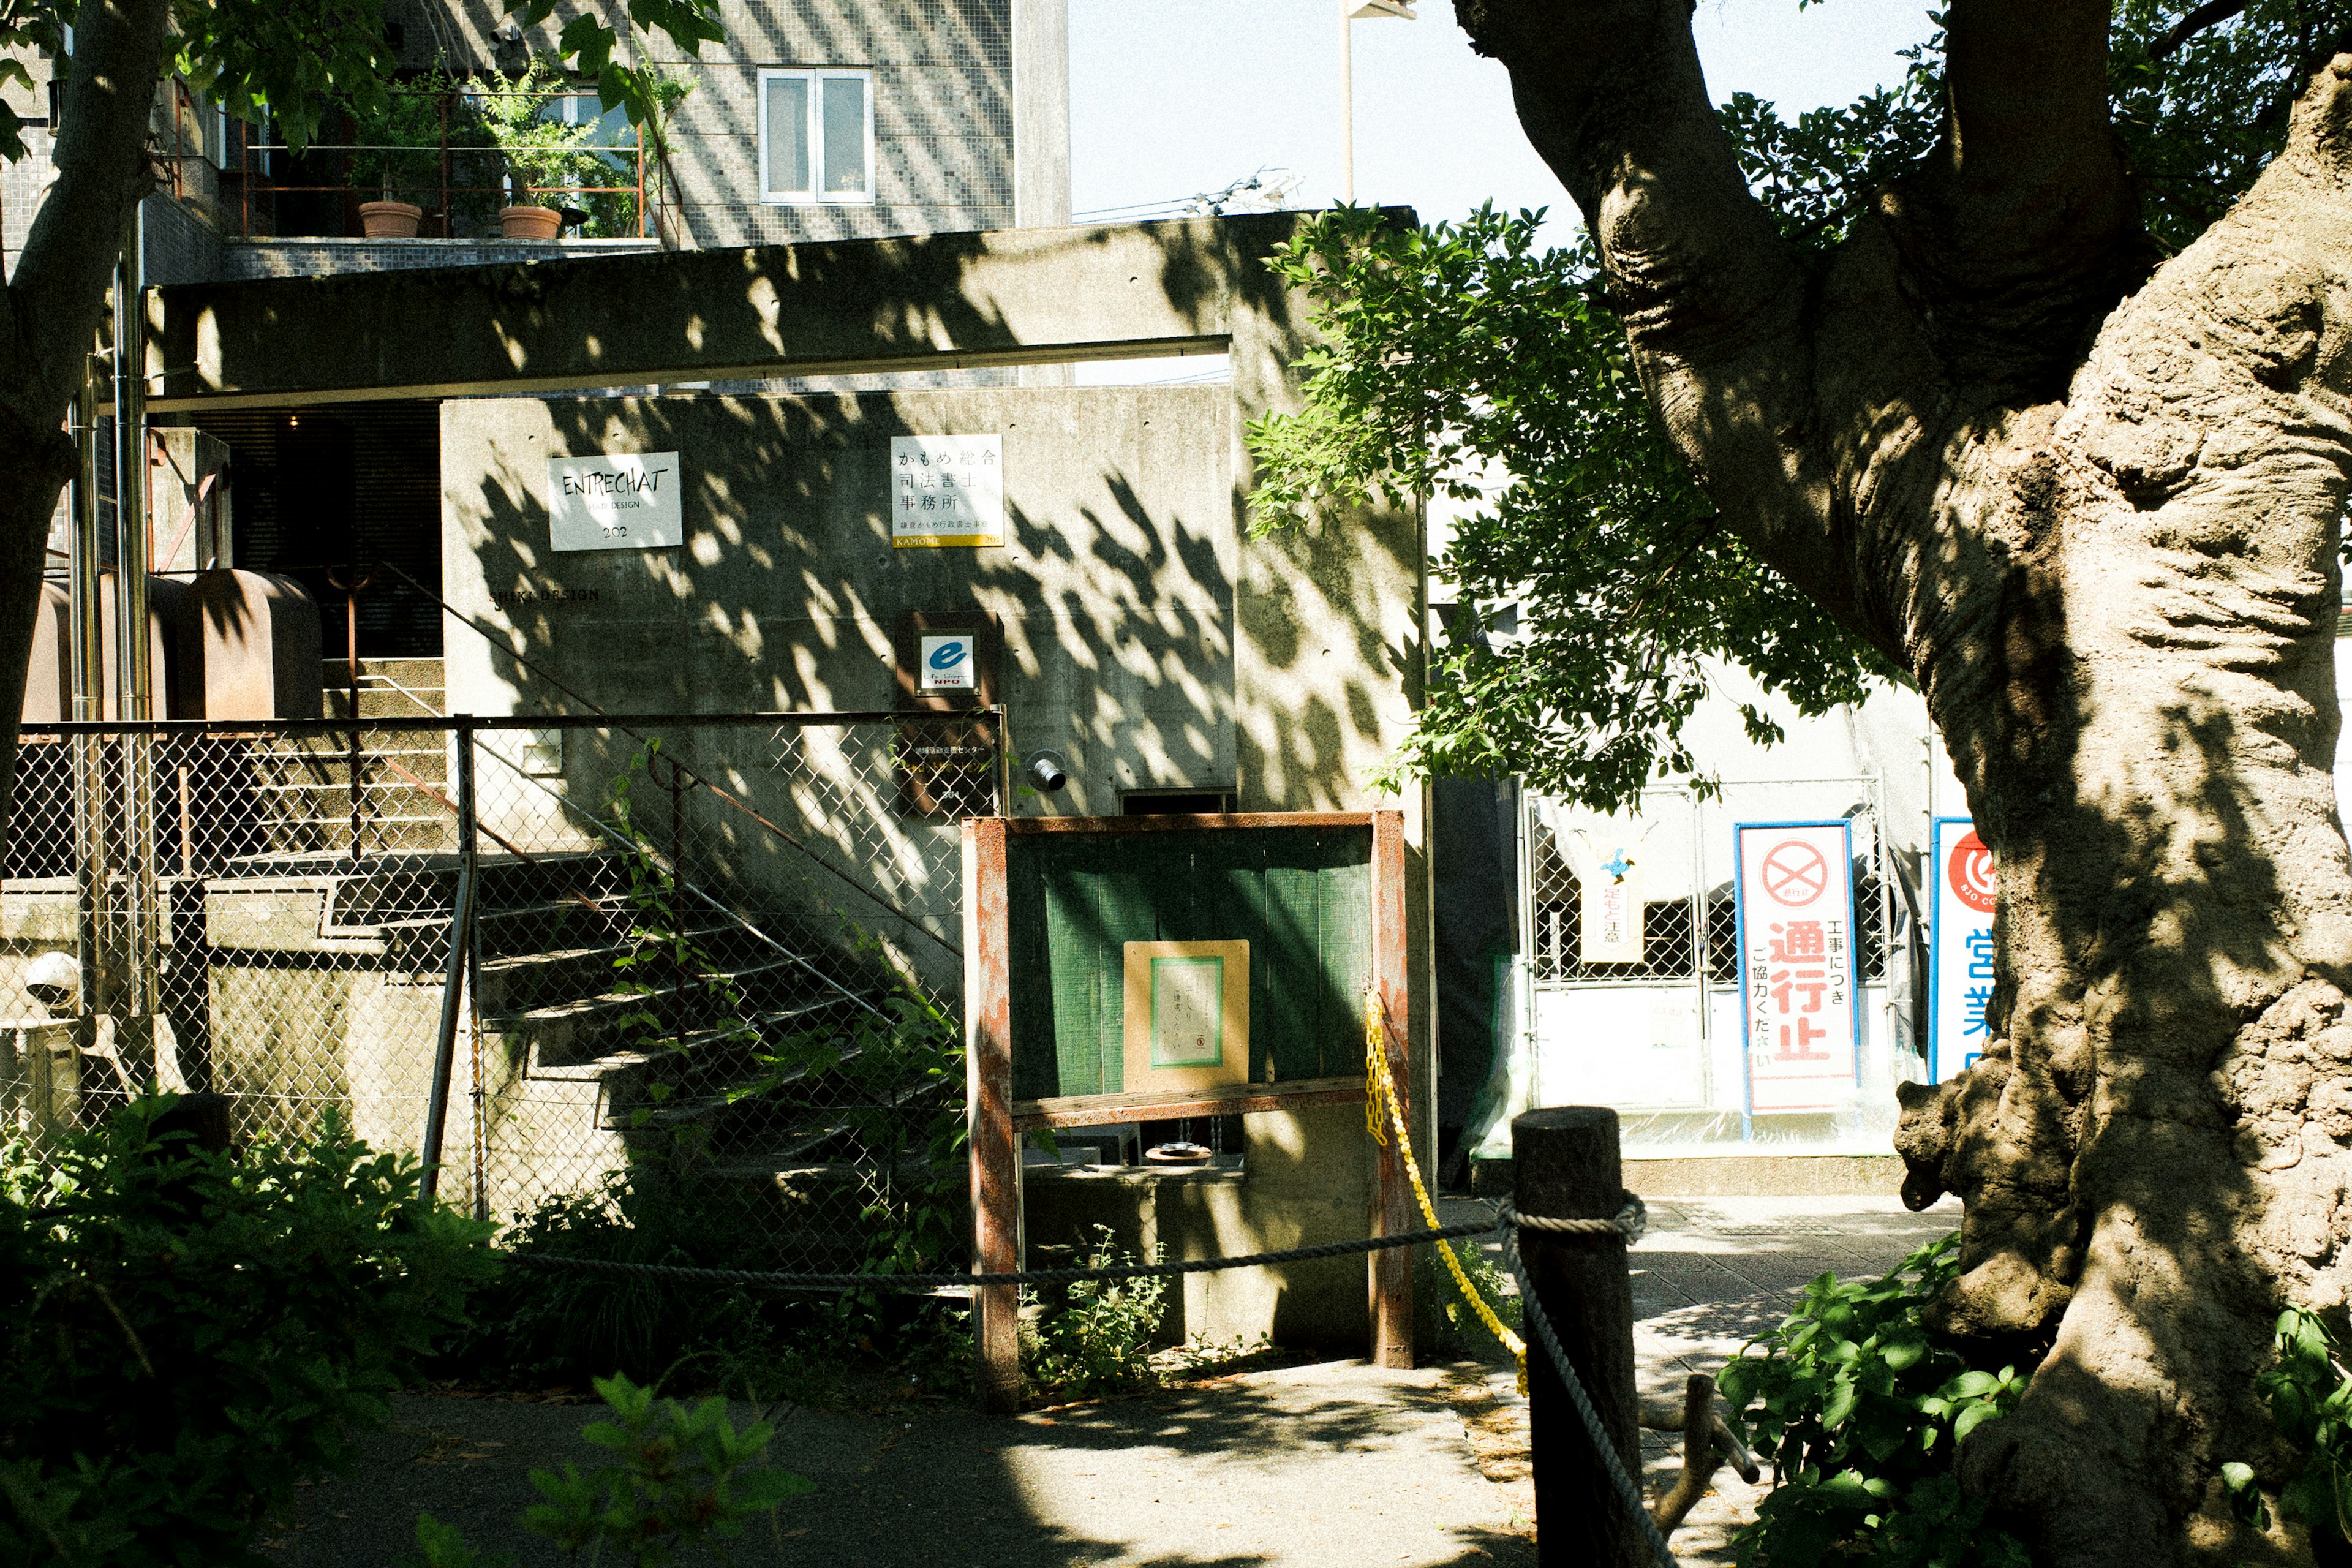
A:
[815,77]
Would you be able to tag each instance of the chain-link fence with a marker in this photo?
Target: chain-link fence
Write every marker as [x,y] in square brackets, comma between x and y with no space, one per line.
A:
[1689,923]
[719,949]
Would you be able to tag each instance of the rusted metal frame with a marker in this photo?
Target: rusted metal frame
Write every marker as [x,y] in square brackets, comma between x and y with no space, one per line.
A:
[1034,824]
[1391,1272]
[1233,1100]
[995,1144]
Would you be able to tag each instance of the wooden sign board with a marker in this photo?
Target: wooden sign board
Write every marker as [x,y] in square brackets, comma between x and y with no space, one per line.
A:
[1187,1015]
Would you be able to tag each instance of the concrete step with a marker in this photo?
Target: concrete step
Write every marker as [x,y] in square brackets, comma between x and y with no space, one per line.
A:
[379,701]
[582,1025]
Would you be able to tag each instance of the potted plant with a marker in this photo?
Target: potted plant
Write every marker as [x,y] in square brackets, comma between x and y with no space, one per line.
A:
[396,150]
[541,155]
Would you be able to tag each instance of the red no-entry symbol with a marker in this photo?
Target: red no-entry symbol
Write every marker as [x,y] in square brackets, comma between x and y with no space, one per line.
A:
[1794,873]
[1971,873]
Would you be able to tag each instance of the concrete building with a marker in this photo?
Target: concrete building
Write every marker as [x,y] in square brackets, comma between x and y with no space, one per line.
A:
[815,119]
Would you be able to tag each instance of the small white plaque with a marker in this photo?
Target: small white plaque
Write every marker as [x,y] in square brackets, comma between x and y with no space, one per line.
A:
[627,500]
[947,489]
[947,663]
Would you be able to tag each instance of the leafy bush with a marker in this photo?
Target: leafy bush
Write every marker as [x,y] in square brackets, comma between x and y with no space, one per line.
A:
[188,1334]
[2310,1396]
[536,1325]
[1455,1328]
[1099,1338]
[680,1475]
[397,149]
[1860,1409]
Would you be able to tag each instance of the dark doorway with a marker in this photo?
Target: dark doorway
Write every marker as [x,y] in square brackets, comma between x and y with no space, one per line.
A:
[319,490]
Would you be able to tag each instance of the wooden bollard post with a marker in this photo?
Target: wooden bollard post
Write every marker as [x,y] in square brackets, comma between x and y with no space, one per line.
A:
[1565,1165]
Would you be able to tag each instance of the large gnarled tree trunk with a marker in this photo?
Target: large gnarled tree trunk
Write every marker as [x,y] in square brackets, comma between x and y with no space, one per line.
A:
[2093,504]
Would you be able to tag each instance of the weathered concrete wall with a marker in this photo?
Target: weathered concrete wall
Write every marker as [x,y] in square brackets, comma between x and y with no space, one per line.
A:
[1305,1178]
[1144,634]
[936,303]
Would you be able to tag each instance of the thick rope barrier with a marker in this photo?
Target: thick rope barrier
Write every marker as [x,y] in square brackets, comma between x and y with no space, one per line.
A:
[753,1280]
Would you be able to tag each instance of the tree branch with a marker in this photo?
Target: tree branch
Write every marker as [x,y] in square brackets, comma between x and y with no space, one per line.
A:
[1611,94]
[58,295]
[1715,302]
[2020,228]
[2211,13]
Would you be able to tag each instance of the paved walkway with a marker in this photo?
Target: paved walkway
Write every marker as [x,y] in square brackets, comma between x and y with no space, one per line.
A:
[1335,1464]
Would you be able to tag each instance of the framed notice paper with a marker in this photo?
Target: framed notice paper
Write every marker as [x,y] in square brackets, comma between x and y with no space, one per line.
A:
[1187,1015]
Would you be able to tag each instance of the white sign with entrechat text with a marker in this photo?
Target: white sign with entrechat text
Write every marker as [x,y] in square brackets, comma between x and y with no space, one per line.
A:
[615,501]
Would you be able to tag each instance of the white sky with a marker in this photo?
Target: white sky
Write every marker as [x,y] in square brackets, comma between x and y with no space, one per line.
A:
[1170,97]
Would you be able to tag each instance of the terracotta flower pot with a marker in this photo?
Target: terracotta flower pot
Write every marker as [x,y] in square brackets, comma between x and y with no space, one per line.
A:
[531,223]
[390,220]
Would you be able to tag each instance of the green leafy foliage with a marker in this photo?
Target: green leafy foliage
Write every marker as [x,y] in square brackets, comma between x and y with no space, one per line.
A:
[2310,1396]
[589,44]
[903,1068]
[188,1335]
[679,1475]
[1861,1409]
[1100,1337]
[288,64]
[1459,353]
[2200,124]
[1467,361]
[397,148]
[1455,1328]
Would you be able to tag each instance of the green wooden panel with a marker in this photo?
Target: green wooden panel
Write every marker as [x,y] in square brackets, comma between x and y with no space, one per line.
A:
[1345,955]
[1126,889]
[1035,1026]
[1300,897]
[1231,871]
[1072,930]
[1294,989]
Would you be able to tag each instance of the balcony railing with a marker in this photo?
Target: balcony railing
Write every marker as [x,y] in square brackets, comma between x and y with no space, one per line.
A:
[253,186]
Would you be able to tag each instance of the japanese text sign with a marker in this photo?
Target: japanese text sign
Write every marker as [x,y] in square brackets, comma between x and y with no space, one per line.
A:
[1960,949]
[947,489]
[627,500]
[1801,1003]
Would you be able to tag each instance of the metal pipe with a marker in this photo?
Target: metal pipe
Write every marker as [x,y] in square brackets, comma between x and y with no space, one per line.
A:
[134,667]
[461,947]
[134,673]
[88,659]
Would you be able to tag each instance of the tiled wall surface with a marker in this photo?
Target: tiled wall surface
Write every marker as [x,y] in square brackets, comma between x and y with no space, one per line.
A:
[945,132]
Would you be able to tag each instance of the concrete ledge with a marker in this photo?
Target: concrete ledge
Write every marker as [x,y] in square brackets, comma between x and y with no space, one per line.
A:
[1735,1176]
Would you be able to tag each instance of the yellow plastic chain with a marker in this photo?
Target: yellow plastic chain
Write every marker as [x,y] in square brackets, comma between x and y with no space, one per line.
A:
[1380,1090]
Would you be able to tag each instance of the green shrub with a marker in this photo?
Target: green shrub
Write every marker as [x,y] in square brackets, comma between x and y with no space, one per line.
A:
[1455,1327]
[536,1325]
[1100,1337]
[188,1335]
[680,1476]
[1860,1408]
[2310,1396]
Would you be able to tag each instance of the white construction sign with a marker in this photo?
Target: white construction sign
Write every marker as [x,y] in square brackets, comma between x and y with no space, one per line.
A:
[947,489]
[1960,949]
[1801,1009]
[615,501]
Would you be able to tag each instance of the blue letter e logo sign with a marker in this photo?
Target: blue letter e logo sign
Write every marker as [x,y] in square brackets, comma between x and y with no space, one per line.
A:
[947,663]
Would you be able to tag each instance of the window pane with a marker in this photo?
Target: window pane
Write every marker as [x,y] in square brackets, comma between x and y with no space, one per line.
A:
[845,135]
[787,135]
